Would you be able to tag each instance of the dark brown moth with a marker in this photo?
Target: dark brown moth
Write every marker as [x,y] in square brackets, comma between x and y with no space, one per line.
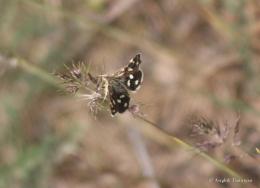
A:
[117,85]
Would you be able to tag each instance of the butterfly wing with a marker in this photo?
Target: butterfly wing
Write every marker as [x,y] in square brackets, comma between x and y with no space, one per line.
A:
[132,76]
[133,80]
[119,97]
[129,78]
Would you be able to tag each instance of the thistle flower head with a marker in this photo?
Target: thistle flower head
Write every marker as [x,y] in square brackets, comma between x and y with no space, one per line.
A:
[213,134]
[78,81]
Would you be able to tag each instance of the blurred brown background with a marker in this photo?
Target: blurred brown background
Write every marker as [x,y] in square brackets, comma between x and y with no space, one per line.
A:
[201,65]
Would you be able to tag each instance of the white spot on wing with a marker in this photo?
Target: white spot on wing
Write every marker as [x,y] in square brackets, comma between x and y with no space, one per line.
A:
[136,82]
[131,76]
[125,104]
[128,83]
[113,101]
[118,100]
[122,96]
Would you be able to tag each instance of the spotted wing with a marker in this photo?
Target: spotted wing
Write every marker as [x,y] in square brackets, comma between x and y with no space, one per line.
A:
[131,76]
[119,97]
[133,80]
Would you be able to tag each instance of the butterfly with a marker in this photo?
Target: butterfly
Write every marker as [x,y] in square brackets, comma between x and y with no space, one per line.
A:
[117,85]
[127,79]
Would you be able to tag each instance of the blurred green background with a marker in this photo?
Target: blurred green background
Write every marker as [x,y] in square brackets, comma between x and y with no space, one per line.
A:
[200,59]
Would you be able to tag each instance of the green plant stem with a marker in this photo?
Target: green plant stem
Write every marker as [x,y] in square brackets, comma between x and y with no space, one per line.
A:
[38,73]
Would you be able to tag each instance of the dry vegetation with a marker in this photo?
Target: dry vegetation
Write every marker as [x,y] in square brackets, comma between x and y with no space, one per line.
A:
[202,70]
